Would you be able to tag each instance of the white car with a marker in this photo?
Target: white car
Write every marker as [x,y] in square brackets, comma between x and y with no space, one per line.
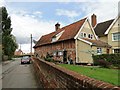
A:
[25,59]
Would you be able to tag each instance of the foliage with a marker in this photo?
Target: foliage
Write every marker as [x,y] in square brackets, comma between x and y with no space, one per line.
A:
[48,57]
[104,74]
[8,40]
[113,59]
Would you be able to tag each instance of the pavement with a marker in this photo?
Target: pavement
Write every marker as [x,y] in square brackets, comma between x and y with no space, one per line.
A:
[6,62]
[15,75]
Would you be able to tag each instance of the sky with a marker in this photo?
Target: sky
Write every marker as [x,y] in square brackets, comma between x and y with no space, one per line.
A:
[38,17]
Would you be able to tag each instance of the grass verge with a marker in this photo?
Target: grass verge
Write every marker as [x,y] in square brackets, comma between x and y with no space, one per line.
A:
[103,74]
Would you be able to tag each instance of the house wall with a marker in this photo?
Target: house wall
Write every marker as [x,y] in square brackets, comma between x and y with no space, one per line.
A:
[68,45]
[82,49]
[94,49]
[114,29]
[87,29]
[104,38]
[83,52]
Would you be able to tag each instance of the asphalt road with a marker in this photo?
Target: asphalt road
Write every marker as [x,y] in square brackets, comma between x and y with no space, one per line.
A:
[15,75]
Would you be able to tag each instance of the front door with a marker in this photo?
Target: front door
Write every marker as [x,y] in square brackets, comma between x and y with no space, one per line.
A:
[65,56]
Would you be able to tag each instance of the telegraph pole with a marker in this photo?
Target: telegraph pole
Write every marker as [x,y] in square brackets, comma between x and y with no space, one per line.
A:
[31,44]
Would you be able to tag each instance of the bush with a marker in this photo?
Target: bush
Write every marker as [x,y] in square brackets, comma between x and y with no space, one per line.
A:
[48,58]
[103,63]
[107,59]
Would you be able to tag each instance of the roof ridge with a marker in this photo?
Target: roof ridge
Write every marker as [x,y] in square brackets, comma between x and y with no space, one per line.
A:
[65,26]
[74,23]
[106,21]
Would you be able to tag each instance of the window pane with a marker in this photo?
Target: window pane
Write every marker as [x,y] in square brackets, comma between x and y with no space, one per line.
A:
[116,36]
[81,35]
[99,50]
[116,50]
[84,34]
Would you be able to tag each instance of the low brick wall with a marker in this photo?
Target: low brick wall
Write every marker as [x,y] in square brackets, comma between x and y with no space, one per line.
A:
[53,76]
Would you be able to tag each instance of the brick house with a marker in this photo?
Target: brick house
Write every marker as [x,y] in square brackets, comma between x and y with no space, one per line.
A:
[76,41]
[19,52]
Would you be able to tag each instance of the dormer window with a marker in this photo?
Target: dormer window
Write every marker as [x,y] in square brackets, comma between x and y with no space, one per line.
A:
[54,39]
[57,36]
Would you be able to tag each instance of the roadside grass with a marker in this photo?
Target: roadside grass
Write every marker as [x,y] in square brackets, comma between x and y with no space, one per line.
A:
[103,74]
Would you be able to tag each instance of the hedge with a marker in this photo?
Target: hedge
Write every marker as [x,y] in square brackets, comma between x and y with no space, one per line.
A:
[109,58]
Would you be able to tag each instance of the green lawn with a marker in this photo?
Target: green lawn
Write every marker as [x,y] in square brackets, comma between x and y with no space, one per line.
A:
[104,74]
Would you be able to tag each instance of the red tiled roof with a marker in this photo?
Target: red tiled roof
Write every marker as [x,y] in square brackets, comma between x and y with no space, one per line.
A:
[98,43]
[69,33]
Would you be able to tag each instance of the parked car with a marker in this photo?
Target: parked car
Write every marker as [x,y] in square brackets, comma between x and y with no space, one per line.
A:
[25,59]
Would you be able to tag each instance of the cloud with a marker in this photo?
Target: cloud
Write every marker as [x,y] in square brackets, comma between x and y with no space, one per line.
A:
[24,25]
[2,3]
[38,14]
[60,0]
[68,13]
[26,48]
[103,10]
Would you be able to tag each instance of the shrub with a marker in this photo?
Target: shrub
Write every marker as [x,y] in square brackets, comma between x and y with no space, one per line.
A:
[103,63]
[113,59]
[48,58]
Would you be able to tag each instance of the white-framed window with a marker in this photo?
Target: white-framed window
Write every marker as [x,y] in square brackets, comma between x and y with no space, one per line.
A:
[60,53]
[57,36]
[83,34]
[90,36]
[117,50]
[116,36]
[99,50]
[54,39]
[54,53]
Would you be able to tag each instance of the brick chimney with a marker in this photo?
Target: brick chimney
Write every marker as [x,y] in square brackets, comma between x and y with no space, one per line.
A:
[93,20]
[57,26]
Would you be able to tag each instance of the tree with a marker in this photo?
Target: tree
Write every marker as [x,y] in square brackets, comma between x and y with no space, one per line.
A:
[8,40]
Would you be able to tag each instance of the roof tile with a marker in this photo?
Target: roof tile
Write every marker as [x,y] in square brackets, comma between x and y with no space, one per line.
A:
[69,32]
[101,28]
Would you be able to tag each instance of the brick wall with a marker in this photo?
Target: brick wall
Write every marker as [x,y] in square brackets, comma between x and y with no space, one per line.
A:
[68,45]
[54,76]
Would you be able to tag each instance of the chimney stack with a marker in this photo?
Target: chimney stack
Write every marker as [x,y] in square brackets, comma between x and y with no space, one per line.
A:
[93,20]
[57,26]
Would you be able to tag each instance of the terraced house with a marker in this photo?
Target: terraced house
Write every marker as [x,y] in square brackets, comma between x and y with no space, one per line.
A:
[76,42]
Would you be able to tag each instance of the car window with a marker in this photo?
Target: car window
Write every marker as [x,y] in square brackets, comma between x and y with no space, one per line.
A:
[26,57]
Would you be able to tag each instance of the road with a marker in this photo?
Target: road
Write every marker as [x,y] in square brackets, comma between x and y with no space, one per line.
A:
[15,75]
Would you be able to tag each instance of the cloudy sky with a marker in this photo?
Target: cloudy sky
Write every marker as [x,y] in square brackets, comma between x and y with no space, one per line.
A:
[38,18]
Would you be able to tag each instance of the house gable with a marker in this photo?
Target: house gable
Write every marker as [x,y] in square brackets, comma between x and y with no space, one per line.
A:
[86,30]
[113,25]
[114,30]
[102,27]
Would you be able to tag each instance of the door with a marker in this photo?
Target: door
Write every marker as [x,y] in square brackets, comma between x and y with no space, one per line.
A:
[65,56]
